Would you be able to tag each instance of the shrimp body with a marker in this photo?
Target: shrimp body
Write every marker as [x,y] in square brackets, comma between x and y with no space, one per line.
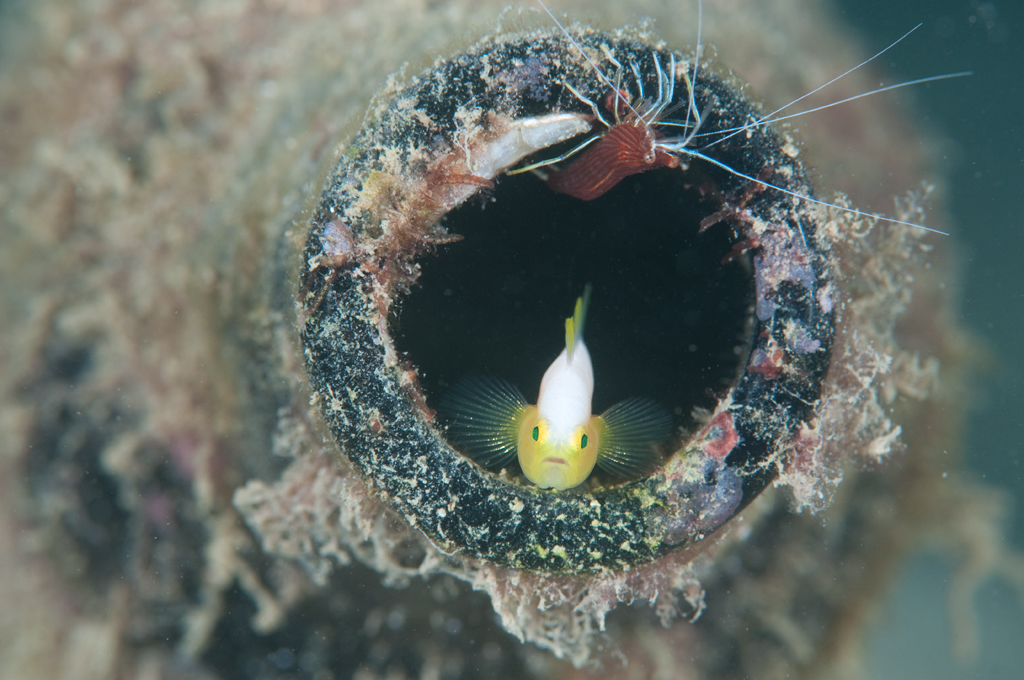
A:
[630,143]
[627,148]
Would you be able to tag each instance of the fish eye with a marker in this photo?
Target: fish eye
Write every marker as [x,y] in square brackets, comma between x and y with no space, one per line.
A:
[583,441]
[536,432]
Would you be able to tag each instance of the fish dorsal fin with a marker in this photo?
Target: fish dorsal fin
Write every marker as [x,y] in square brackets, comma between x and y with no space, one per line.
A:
[574,324]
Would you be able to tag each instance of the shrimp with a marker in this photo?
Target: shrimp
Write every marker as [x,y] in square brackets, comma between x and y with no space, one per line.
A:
[633,141]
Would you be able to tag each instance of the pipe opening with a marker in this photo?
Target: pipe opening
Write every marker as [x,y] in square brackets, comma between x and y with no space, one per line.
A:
[668,319]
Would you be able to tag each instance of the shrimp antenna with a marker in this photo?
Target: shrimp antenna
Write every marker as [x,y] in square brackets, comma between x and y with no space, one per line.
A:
[887,88]
[694,119]
[803,197]
[579,48]
[770,117]
[691,107]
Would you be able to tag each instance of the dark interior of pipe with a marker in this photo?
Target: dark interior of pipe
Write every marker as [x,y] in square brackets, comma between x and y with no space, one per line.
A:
[667,320]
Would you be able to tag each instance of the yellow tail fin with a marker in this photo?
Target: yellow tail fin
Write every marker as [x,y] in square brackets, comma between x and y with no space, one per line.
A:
[574,324]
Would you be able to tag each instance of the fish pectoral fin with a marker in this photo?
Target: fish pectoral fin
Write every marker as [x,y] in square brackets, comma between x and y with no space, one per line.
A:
[631,432]
[483,416]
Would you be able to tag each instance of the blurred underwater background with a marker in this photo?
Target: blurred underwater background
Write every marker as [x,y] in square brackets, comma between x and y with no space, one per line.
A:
[154,158]
[984,163]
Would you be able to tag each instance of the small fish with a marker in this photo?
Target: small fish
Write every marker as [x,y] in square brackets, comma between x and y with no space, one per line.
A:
[558,440]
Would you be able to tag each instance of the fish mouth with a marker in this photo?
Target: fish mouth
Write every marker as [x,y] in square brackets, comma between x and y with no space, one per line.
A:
[557,461]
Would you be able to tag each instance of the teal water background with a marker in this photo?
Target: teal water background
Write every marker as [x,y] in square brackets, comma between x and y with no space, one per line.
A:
[981,117]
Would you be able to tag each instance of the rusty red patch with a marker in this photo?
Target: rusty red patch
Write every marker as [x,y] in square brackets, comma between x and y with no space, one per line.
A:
[768,364]
[720,436]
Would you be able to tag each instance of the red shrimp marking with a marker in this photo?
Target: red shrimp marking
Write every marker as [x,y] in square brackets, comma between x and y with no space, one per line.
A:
[625,149]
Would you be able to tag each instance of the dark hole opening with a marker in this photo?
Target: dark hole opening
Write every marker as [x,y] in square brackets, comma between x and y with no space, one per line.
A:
[667,320]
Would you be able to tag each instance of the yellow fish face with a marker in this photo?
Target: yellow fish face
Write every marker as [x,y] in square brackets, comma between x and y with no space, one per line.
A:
[556,460]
